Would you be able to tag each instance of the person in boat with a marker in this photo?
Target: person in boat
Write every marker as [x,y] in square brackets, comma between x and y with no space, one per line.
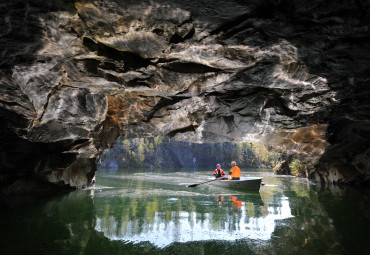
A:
[234,173]
[218,173]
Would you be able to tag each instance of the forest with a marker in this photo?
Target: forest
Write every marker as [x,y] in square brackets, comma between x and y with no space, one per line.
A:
[162,152]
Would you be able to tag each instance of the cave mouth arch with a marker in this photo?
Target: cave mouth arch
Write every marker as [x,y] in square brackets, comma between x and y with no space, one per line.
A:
[291,75]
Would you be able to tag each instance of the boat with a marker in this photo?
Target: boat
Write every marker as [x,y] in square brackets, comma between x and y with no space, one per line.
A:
[245,183]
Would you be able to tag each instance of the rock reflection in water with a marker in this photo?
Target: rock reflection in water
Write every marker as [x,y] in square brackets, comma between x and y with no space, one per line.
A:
[222,218]
[142,216]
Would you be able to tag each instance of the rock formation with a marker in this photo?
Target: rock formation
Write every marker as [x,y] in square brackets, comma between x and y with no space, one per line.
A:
[76,75]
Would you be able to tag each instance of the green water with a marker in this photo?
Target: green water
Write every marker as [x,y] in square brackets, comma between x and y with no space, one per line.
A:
[153,212]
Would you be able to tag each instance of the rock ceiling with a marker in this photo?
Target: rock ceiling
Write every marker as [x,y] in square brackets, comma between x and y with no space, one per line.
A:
[76,75]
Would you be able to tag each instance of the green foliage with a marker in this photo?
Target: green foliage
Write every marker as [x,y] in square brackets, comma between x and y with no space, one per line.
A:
[126,144]
[150,148]
[158,140]
[296,167]
[278,166]
[140,153]
[162,152]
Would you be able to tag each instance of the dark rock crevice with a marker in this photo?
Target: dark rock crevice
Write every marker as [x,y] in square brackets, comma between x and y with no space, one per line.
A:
[184,67]
[231,24]
[190,128]
[131,61]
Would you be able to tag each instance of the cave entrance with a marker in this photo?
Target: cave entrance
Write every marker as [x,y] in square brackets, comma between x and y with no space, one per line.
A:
[166,153]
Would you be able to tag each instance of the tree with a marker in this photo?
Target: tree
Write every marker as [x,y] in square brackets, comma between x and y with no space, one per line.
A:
[141,153]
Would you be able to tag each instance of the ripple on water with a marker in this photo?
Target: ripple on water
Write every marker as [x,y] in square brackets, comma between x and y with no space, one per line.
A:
[172,199]
[206,203]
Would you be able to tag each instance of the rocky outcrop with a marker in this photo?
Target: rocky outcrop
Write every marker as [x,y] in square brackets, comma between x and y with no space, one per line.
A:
[76,75]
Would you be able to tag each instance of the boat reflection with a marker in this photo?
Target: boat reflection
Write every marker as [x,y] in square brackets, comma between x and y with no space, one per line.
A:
[165,220]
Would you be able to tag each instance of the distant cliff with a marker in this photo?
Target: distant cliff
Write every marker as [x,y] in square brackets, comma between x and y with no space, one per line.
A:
[161,152]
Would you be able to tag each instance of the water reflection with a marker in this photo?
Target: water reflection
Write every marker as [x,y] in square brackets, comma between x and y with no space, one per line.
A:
[142,214]
[162,220]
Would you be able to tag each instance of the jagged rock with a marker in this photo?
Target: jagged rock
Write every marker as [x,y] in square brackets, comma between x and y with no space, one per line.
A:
[76,75]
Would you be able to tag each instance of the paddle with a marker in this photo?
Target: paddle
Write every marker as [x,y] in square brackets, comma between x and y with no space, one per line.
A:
[194,185]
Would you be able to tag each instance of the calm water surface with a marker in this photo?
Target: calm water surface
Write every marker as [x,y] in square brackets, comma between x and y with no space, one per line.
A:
[154,212]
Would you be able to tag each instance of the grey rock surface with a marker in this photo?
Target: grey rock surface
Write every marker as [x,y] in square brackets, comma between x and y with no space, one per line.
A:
[76,75]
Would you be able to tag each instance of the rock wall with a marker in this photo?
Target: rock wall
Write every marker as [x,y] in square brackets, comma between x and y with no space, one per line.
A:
[76,75]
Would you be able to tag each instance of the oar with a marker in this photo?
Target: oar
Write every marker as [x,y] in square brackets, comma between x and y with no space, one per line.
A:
[194,185]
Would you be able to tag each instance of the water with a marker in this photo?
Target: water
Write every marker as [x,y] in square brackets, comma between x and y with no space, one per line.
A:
[153,212]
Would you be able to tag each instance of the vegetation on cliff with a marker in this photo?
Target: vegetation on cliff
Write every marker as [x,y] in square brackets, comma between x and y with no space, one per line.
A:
[162,152]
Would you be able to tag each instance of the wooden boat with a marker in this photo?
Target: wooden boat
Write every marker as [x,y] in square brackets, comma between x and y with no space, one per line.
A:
[245,183]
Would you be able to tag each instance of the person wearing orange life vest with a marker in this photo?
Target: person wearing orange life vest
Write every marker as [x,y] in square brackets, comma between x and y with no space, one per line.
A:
[218,173]
[234,173]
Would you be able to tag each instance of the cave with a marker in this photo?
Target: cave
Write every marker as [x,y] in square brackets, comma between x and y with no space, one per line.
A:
[77,75]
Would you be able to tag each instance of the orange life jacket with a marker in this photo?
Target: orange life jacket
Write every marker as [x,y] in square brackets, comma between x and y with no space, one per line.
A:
[235,172]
